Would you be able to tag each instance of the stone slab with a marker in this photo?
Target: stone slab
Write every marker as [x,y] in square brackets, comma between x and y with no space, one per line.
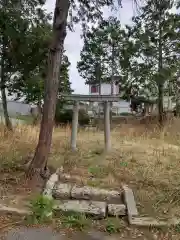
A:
[92,193]
[91,98]
[150,221]
[62,191]
[93,208]
[50,185]
[116,210]
[130,202]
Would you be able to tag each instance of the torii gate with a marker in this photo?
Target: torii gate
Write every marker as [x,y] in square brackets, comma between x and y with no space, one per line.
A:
[91,98]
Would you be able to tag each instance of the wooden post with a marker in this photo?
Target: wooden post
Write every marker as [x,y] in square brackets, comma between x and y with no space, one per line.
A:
[74,125]
[107,140]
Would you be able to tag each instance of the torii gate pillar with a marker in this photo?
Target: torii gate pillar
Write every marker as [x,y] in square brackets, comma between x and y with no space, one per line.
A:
[74,128]
[107,131]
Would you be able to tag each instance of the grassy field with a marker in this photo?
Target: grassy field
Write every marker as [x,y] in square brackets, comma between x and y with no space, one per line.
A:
[18,119]
[147,160]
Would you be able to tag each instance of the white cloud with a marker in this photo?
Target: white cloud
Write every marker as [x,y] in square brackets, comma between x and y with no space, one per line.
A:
[74,43]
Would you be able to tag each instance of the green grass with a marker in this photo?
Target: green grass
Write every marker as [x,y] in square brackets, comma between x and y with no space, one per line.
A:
[26,118]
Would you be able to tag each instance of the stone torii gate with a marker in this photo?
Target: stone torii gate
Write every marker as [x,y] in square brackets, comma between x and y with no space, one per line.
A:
[76,98]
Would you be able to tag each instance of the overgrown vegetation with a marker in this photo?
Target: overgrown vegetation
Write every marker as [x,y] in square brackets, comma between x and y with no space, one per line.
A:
[42,210]
[146,159]
[75,221]
[65,116]
[113,225]
[143,58]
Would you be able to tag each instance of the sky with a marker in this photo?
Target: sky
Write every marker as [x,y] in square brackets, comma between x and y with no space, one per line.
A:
[74,43]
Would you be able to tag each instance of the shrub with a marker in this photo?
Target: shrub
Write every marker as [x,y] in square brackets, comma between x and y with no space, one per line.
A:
[76,221]
[125,114]
[83,117]
[42,210]
[65,116]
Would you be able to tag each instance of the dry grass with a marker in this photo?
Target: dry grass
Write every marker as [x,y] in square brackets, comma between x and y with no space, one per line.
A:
[147,160]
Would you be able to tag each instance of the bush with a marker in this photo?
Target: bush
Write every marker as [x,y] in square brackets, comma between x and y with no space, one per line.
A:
[113,113]
[65,117]
[125,114]
[83,117]
[42,210]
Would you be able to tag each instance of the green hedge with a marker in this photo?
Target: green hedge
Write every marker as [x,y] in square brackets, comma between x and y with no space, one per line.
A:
[126,114]
[65,117]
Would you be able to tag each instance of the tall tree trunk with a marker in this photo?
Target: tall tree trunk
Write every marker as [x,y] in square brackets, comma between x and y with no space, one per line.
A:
[51,88]
[160,82]
[177,108]
[5,110]
[3,90]
[160,103]
[112,78]
[98,81]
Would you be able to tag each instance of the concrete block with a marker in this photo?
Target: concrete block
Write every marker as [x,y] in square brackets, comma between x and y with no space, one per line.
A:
[130,202]
[149,222]
[50,185]
[92,193]
[93,208]
[62,191]
[116,210]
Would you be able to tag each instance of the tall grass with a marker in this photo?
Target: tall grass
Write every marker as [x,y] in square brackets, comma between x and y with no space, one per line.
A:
[145,158]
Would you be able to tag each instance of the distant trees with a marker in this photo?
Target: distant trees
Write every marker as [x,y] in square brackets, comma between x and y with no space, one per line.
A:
[155,34]
[155,23]
[25,38]
[30,85]
[85,11]
[18,20]
[144,55]
[101,49]
[105,53]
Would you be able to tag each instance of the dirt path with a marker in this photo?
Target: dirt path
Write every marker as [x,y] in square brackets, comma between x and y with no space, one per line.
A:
[48,234]
[44,233]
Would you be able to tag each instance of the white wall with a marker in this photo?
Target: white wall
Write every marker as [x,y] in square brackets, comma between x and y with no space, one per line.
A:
[118,107]
[122,106]
[106,89]
[17,108]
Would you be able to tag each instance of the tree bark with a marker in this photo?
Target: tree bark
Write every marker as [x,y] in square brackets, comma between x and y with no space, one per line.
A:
[51,88]
[3,90]
[177,107]
[112,78]
[5,110]
[160,103]
[160,82]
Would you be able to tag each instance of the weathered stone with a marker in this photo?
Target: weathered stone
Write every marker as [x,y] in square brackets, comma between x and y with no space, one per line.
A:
[148,222]
[130,202]
[93,208]
[50,185]
[116,210]
[65,176]
[91,193]
[62,191]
